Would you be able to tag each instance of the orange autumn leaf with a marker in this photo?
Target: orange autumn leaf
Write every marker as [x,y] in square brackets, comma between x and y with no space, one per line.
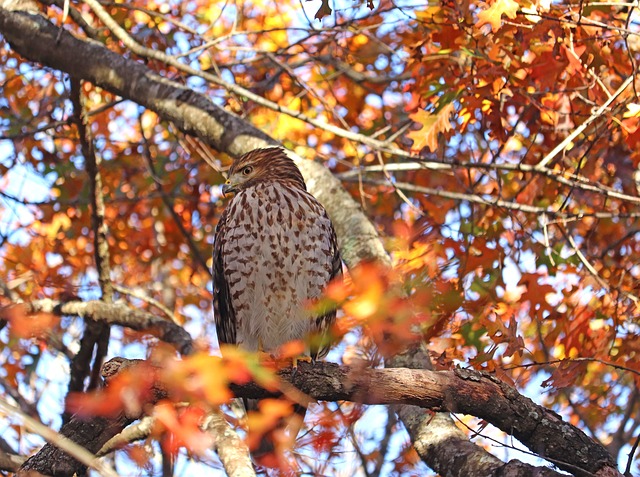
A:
[432,125]
[127,392]
[183,428]
[27,325]
[493,14]
[243,366]
[199,376]
[270,413]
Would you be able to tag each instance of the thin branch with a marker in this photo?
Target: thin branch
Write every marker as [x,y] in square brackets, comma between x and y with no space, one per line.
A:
[135,432]
[596,114]
[564,178]
[586,359]
[384,444]
[231,450]
[29,408]
[139,294]
[24,134]
[153,14]
[632,452]
[601,281]
[495,202]
[76,16]
[359,452]
[10,462]
[197,254]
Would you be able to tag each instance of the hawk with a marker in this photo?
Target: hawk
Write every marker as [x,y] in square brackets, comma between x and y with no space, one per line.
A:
[275,249]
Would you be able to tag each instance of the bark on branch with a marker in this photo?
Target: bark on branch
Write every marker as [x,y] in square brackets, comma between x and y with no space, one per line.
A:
[89,433]
[117,314]
[460,391]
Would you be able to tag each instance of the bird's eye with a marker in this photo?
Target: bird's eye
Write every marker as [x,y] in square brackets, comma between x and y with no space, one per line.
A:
[247,170]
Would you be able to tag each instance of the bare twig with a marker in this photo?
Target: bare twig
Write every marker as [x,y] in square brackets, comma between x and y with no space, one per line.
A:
[596,114]
[496,202]
[634,448]
[27,407]
[392,420]
[586,359]
[591,269]
[139,294]
[571,180]
[197,254]
[152,13]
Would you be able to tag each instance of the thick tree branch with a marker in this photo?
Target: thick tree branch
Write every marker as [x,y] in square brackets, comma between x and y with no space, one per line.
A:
[435,437]
[118,314]
[462,391]
[232,451]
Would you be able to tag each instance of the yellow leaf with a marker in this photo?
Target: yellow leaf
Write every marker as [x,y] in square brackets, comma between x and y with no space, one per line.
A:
[432,125]
[493,14]
[633,111]
[60,222]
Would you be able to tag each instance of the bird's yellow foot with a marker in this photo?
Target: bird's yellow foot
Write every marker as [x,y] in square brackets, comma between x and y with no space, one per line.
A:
[298,359]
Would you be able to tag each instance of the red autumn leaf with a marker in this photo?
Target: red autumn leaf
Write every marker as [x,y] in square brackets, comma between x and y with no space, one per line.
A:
[127,392]
[27,325]
[181,428]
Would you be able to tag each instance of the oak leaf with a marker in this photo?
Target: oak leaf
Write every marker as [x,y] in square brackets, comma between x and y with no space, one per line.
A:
[432,125]
[493,14]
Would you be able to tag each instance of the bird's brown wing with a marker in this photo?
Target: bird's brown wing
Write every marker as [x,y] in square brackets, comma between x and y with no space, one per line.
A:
[223,313]
[324,322]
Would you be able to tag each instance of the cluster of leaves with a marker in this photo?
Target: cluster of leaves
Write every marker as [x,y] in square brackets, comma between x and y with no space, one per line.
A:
[510,255]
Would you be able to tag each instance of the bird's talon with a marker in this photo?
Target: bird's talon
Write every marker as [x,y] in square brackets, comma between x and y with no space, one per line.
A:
[305,359]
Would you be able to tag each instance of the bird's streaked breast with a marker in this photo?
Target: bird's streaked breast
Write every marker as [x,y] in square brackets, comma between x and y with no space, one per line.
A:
[277,255]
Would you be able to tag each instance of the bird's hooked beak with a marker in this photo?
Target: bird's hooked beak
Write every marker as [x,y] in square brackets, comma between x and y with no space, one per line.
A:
[227,188]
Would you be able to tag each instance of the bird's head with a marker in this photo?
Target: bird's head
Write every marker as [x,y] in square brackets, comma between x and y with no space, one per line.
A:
[262,165]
